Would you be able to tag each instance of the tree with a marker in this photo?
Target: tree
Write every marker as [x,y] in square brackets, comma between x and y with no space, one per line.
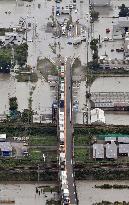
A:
[94,15]
[27,115]
[124,11]
[13,105]
[21,53]
[5,59]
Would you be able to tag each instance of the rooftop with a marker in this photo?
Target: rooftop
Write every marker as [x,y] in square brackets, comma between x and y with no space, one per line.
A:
[98,151]
[111,150]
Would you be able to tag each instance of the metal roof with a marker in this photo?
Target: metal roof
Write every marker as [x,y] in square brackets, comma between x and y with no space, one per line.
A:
[124,149]
[111,150]
[98,151]
[5,147]
[123,139]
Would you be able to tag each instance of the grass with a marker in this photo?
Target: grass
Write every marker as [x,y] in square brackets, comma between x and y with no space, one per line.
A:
[43,140]
[32,77]
[81,155]
[46,68]
[35,154]
[82,140]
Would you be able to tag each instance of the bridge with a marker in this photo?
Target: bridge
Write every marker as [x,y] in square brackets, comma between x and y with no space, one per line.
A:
[65,133]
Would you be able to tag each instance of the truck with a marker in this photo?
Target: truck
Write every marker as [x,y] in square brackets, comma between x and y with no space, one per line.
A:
[66,196]
[62,138]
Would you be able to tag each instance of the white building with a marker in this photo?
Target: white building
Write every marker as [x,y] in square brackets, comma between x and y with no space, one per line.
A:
[101,2]
[98,151]
[119,27]
[126,45]
[111,150]
[97,116]
[2,137]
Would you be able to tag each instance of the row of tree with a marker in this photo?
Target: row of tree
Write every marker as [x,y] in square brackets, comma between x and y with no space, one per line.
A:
[20,55]
[25,116]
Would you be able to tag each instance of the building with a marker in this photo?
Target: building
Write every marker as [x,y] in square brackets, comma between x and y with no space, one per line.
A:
[111,150]
[101,2]
[6,149]
[120,27]
[2,137]
[126,45]
[110,138]
[98,151]
[97,116]
[124,149]
[36,118]
[123,139]
[43,118]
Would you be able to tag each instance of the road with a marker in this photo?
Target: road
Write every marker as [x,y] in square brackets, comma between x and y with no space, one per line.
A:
[69,133]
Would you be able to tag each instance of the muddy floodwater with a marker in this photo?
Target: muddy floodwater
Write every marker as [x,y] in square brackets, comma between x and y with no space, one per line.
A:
[25,193]
[88,194]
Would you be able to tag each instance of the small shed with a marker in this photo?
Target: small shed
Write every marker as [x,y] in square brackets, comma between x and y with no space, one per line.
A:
[2,137]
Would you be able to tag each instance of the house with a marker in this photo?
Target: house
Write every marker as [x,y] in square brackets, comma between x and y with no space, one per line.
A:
[36,118]
[98,151]
[110,138]
[123,139]
[111,150]
[6,149]
[97,116]
[2,137]
[124,149]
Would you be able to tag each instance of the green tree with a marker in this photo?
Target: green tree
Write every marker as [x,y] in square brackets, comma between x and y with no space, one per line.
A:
[21,53]
[5,59]
[13,105]
[124,11]
[94,15]
[27,115]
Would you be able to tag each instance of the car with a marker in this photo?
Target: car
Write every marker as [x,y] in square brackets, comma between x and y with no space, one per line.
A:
[30,40]
[106,39]
[69,43]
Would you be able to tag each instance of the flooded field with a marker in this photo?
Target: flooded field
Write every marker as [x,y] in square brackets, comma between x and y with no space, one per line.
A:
[23,194]
[88,194]
[107,84]
[42,96]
